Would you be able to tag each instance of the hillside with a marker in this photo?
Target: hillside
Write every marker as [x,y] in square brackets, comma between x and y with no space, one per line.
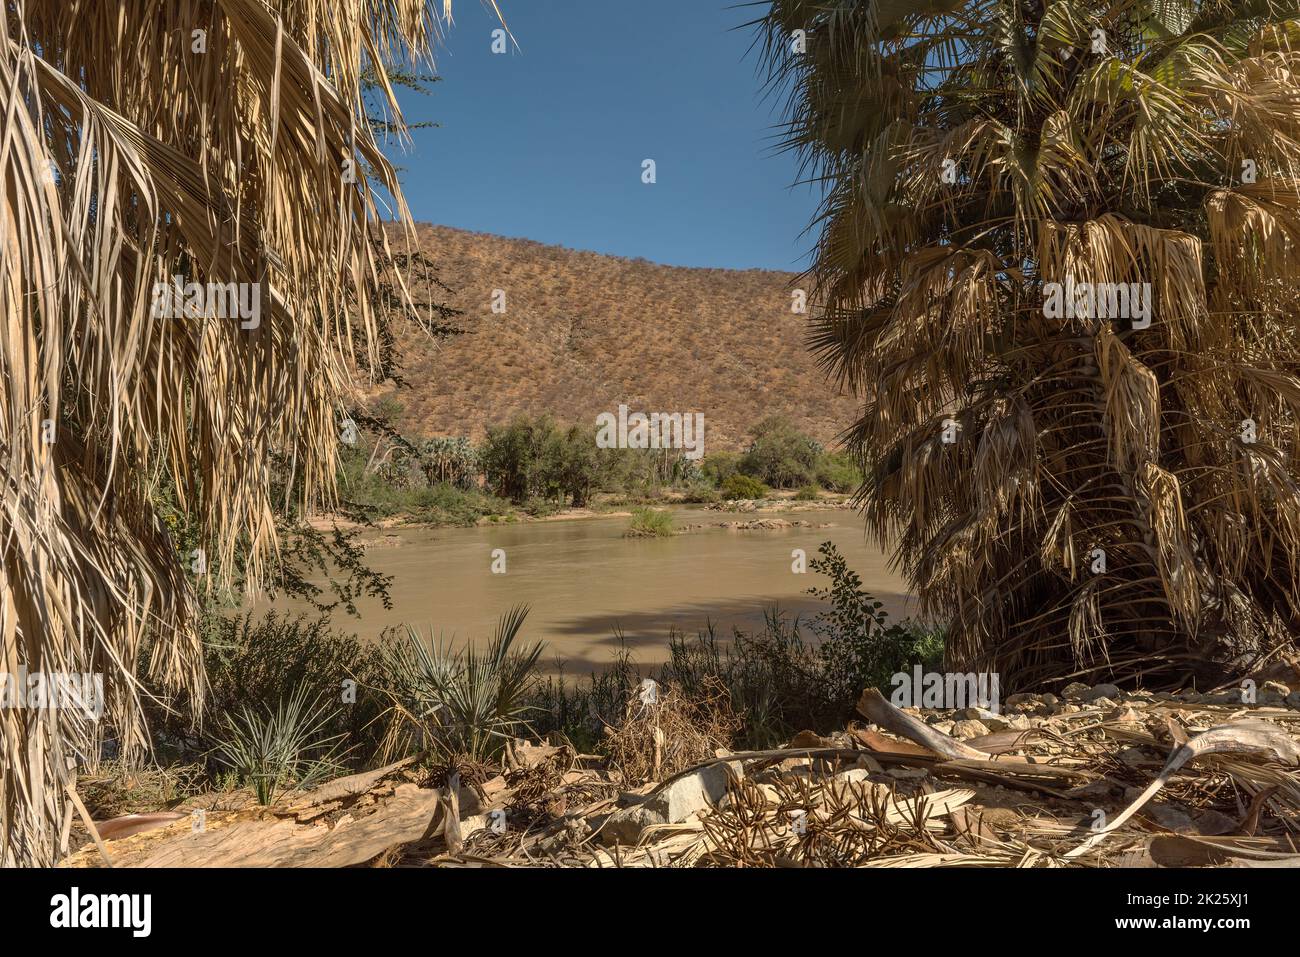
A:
[583,332]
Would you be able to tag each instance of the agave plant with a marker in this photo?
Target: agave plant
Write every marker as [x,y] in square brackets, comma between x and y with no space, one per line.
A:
[462,703]
[218,141]
[271,750]
[1084,486]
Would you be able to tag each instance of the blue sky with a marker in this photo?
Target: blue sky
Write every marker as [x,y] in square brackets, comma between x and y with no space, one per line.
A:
[546,142]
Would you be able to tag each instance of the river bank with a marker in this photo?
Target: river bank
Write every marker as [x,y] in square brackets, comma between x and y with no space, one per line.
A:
[612,507]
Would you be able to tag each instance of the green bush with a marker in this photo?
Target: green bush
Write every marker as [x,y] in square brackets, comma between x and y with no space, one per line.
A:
[717,467]
[258,666]
[738,486]
[860,648]
[522,460]
[839,473]
[780,455]
[580,711]
[808,493]
[771,675]
[463,703]
[651,521]
[273,749]
[781,682]
[701,495]
[444,504]
[533,460]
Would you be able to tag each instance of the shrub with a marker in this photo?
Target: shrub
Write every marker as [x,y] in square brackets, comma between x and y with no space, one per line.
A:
[650,521]
[839,473]
[464,704]
[780,683]
[581,712]
[738,486]
[443,504]
[860,648]
[717,467]
[808,493]
[772,677]
[258,664]
[780,454]
[285,747]
[701,495]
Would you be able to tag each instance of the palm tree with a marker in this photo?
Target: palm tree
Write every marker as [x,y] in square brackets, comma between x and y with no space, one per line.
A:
[218,141]
[1084,489]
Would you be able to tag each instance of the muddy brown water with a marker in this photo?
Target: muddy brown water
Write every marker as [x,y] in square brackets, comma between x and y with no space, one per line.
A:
[585,581]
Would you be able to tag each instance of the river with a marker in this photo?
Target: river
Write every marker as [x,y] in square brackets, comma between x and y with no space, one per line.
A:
[584,579]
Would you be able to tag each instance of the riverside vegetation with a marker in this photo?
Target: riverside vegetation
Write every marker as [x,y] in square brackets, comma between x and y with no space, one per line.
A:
[535,466]
[293,701]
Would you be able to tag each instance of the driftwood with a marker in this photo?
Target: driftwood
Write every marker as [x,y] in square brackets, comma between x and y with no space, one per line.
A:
[873,705]
[340,789]
[1254,740]
[409,816]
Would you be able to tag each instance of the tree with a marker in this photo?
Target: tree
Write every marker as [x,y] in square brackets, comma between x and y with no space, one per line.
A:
[1088,487]
[780,454]
[234,159]
[520,460]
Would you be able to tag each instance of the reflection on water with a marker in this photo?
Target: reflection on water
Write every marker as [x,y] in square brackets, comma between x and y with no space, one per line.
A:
[584,579]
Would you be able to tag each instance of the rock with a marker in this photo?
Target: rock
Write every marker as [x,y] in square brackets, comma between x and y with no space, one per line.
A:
[969,729]
[1170,818]
[1222,697]
[1134,757]
[1048,699]
[1092,791]
[907,774]
[1075,690]
[854,776]
[944,727]
[1018,722]
[1102,691]
[1125,715]
[1102,703]
[625,825]
[694,792]
[1293,700]
[1016,700]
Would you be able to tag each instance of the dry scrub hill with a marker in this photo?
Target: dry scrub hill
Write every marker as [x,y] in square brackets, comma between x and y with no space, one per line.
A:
[583,332]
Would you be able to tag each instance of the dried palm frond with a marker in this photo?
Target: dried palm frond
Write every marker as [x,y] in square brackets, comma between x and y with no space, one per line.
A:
[1122,496]
[214,140]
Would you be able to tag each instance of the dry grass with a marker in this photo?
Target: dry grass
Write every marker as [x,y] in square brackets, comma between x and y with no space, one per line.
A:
[664,734]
